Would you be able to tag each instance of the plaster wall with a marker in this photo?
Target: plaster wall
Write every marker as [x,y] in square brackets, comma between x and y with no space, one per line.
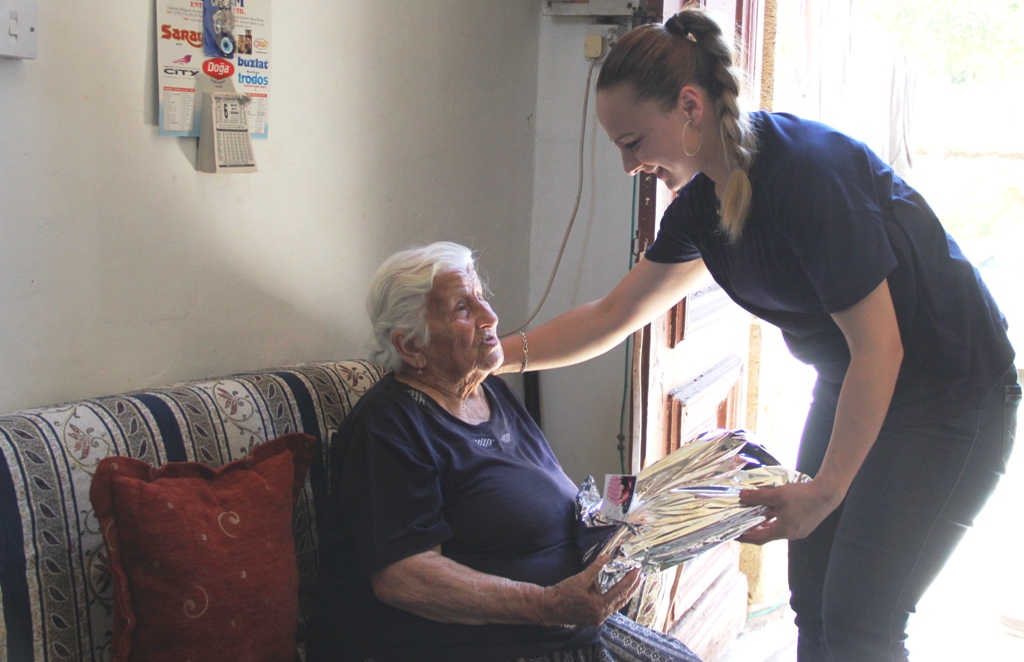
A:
[580,404]
[121,267]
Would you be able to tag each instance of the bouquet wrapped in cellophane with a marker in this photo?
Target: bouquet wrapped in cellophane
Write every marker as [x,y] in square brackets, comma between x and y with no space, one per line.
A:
[679,506]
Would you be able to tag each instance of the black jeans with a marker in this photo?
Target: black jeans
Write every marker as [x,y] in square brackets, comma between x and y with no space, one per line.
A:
[856,579]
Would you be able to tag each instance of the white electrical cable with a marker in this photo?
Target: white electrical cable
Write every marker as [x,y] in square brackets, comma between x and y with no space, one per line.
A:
[572,219]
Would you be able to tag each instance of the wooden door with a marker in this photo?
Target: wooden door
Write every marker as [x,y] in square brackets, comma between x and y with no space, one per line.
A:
[690,375]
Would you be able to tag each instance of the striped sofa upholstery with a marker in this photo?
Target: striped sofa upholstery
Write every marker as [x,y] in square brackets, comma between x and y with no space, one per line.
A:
[55,583]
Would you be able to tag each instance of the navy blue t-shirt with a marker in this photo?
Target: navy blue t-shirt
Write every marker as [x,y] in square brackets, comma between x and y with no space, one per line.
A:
[408,476]
[829,221]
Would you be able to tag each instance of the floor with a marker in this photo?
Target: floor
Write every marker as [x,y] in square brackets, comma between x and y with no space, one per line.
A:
[959,618]
[771,639]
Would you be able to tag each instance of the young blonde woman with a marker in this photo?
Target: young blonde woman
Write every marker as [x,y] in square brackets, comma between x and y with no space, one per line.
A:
[913,410]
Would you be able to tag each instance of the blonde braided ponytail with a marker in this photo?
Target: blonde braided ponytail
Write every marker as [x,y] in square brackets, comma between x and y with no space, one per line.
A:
[690,48]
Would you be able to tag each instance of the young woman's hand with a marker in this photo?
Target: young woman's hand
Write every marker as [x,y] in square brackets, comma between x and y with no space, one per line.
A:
[794,510]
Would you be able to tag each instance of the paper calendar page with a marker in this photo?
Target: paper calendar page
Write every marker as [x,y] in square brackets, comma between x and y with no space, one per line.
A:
[181,62]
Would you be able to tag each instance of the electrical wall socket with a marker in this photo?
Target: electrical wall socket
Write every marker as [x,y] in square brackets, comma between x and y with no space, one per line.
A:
[19,29]
[600,39]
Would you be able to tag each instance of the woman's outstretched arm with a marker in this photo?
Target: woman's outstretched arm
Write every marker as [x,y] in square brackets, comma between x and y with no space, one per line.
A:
[876,353]
[586,331]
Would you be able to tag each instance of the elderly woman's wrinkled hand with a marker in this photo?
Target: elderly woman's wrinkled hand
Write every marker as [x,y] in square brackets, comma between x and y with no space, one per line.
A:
[578,600]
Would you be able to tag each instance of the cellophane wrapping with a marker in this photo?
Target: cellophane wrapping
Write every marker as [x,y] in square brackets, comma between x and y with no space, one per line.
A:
[684,504]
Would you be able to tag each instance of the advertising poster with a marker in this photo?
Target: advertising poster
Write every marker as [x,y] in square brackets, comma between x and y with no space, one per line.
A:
[182,64]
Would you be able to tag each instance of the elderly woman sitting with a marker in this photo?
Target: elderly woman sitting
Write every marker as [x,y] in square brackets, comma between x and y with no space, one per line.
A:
[450,527]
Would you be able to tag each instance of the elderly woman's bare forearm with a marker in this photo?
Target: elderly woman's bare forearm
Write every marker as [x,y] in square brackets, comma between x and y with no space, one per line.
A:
[435,587]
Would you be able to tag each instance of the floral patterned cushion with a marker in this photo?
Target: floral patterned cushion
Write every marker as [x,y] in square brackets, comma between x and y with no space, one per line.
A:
[203,560]
[55,582]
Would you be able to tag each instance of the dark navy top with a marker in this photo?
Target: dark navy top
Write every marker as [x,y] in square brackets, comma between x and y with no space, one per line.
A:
[408,476]
[829,221]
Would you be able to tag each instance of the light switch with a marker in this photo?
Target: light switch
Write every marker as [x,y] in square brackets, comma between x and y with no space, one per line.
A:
[22,34]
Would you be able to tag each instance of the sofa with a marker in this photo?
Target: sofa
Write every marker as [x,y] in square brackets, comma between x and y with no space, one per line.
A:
[55,577]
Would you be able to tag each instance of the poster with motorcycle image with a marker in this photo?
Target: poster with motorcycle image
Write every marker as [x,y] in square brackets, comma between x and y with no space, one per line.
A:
[236,34]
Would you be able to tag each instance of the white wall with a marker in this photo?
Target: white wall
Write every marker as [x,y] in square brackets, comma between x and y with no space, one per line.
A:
[392,123]
[580,404]
[121,267]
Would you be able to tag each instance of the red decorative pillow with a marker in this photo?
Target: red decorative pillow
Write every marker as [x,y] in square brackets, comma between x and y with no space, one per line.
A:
[203,560]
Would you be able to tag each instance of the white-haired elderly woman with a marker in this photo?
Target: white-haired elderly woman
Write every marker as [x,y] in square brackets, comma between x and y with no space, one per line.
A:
[450,531]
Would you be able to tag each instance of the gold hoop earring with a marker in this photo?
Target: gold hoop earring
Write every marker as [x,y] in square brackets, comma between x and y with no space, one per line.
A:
[700,140]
